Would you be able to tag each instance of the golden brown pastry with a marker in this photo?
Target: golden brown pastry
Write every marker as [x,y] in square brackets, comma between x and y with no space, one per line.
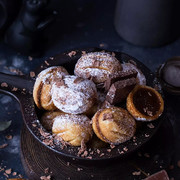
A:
[74,95]
[145,103]
[47,118]
[97,66]
[72,128]
[43,85]
[114,125]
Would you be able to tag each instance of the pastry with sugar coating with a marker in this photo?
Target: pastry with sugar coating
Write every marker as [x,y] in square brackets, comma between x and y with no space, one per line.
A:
[73,94]
[73,129]
[47,118]
[97,66]
[43,85]
[114,125]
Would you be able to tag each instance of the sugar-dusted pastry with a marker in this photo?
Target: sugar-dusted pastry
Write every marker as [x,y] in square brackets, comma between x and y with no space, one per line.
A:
[97,66]
[101,96]
[114,125]
[141,79]
[74,129]
[145,103]
[73,94]
[47,118]
[43,85]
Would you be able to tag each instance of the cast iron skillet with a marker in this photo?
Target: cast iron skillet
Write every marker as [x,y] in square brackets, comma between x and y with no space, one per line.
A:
[29,111]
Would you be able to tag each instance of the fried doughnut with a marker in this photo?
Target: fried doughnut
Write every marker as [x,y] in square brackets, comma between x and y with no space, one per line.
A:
[47,119]
[97,66]
[145,103]
[72,128]
[43,85]
[74,95]
[114,125]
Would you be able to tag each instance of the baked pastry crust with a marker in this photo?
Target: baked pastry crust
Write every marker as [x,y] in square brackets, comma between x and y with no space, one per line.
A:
[145,103]
[73,129]
[97,66]
[114,125]
[43,85]
[74,95]
[47,119]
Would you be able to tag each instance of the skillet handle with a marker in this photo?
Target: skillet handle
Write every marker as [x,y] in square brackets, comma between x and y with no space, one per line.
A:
[20,82]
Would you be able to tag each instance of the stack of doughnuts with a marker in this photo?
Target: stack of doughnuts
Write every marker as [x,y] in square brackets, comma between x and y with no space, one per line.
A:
[88,102]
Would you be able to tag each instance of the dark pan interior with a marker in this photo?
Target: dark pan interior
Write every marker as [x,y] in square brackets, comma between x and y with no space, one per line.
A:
[31,114]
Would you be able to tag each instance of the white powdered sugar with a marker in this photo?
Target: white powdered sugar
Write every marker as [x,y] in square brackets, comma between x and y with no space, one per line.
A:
[97,65]
[74,97]
[62,121]
[54,71]
[140,76]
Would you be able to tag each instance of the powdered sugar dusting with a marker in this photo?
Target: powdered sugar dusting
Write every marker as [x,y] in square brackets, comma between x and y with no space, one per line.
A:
[97,65]
[64,120]
[140,76]
[72,97]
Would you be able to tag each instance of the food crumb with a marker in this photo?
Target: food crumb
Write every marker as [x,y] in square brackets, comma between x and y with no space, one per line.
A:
[8,171]
[32,74]
[146,155]
[4,84]
[112,146]
[30,58]
[45,177]
[46,170]
[3,146]
[125,149]
[72,53]
[136,173]
[14,173]
[14,89]
[79,169]
[46,63]
[9,137]
[150,125]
